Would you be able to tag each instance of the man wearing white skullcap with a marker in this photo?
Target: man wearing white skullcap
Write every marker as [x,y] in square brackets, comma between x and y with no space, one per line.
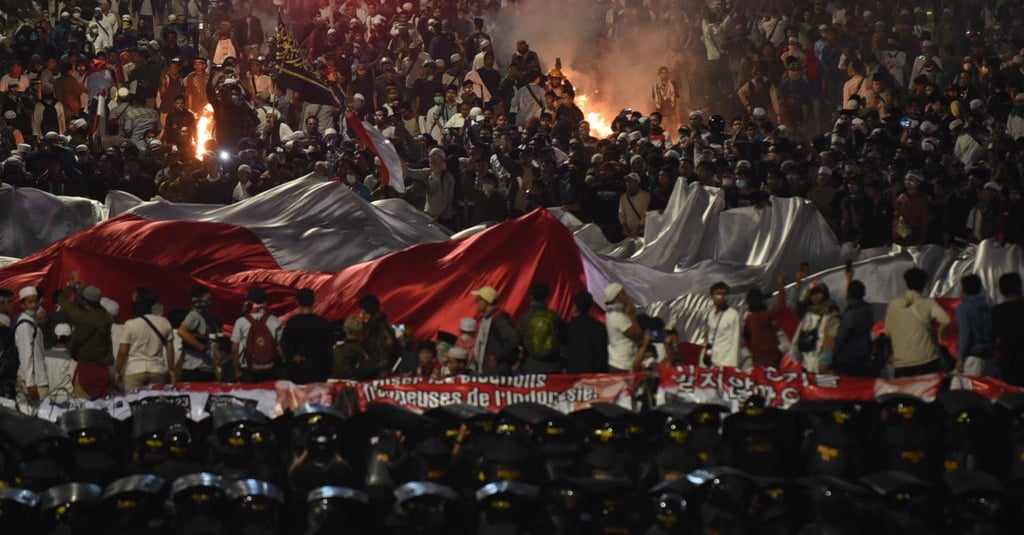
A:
[33,384]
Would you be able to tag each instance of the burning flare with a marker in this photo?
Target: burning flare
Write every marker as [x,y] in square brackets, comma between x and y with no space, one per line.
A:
[204,130]
[600,127]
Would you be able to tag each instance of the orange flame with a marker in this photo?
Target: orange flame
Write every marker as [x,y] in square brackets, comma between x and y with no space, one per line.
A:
[204,130]
[600,127]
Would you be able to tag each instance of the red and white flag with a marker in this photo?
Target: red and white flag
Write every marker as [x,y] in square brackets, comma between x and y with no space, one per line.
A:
[391,168]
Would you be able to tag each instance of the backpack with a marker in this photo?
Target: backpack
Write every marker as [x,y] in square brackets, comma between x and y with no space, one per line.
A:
[541,334]
[9,358]
[49,121]
[260,347]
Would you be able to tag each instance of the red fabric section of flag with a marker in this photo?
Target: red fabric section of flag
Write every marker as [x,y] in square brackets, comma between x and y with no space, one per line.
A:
[425,287]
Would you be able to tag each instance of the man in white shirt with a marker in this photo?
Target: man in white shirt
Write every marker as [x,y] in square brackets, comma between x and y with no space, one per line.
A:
[33,384]
[145,354]
[724,331]
[14,79]
[60,367]
[241,191]
[623,329]
[240,358]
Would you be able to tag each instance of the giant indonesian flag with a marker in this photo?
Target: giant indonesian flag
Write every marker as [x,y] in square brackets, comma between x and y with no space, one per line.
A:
[320,234]
[425,286]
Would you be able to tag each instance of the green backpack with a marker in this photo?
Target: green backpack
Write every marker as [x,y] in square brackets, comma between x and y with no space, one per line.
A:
[541,334]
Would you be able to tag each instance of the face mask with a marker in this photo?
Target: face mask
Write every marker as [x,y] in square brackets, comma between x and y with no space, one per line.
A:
[466,336]
[438,100]
[741,184]
[727,183]
[351,179]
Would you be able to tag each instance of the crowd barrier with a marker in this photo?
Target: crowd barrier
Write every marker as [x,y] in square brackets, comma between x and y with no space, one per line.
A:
[564,392]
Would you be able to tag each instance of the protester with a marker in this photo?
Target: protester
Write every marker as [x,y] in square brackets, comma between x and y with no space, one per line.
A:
[1006,321]
[853,352]
[622,326]
[814,343]
[586,338]
[91,338]
[255,338]
[145,355]
[915,322]
[497,344]
[307,342]
[974,330]
[542,333]
[723,332]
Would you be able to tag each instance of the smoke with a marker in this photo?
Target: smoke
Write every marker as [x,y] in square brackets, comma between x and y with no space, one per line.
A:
[613,70]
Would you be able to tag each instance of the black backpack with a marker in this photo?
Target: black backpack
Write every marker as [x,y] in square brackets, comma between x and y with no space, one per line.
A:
[9,361]
[49,121]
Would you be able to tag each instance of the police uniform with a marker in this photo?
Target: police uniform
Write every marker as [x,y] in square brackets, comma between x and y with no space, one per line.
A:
[18,512]
[972,437]
[150,423]
[908,504]
[92,444]
[835,506]
[244,445]
[422,508]
[672,512]
[508,507]
[70,508]
[133,505]
[255,507]
[907,440]
[834,442]
[38,451]
[198,504]
[760,440]
[331,510]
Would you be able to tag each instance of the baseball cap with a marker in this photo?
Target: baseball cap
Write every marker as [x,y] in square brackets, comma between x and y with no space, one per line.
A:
[487,293]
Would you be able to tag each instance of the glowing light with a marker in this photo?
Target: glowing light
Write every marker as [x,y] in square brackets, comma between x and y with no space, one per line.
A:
[204,130]
[600,127]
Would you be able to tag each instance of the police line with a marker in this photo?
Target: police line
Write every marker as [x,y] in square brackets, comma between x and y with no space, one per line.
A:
[563,392]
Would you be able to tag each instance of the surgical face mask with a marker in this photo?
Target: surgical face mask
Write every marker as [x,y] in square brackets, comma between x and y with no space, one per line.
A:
[726,182]
[438,100]
[351,179]
[741,184]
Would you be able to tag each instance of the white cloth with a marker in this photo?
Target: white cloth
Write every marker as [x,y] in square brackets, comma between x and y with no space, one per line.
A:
[60,373]
[224,49]
[725,335]
[240,193]
[31,352]
[146,351]
[621,348]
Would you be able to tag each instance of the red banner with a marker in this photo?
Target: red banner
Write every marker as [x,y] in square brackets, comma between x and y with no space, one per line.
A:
[566,393]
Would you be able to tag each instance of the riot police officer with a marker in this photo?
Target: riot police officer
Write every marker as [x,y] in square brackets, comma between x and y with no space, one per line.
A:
[256,507]
[70,509]
[198,501]
[243,446]
[91,432]
[423,508]
[133,505]
[18,510]
[332,510]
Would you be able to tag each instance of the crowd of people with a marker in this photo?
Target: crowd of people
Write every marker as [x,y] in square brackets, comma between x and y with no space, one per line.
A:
[901,124]
[867,114]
